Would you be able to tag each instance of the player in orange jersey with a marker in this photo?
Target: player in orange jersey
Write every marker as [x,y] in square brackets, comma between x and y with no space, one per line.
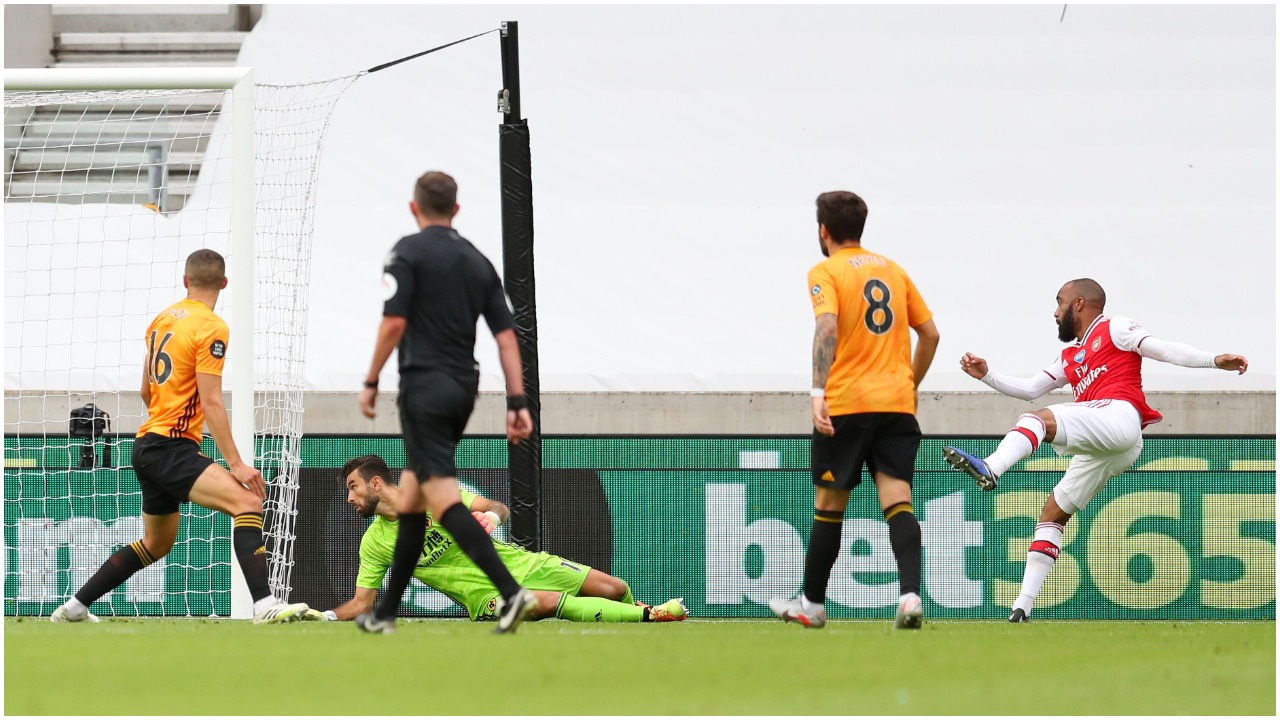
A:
[865,380]
[182,387]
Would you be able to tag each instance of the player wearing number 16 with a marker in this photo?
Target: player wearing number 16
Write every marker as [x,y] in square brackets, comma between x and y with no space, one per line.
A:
[182,388]
[864,402]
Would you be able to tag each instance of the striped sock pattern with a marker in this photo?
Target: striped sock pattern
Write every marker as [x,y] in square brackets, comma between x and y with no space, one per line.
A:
[246,537]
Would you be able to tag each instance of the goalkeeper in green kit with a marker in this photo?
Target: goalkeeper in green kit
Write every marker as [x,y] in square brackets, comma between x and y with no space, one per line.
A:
[564,589]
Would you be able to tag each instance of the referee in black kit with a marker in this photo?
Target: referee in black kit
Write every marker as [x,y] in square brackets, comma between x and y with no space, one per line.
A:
[437,285]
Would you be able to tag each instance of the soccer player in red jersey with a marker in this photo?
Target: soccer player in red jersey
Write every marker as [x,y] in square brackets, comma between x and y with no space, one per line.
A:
[1101,430]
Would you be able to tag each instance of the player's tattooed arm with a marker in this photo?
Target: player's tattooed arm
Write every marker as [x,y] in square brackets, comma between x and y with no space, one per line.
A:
[824,348]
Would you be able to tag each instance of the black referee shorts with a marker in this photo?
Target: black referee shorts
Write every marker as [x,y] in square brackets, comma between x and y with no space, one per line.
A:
[885,442]
[167,468]
[434,409]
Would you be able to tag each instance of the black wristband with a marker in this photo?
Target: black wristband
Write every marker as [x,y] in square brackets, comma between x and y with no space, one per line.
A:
[517,402]
[371,384]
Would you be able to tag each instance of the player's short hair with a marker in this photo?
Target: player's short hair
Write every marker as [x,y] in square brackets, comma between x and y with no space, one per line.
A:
[436,193]
[368,466]
[1090,290]
[843,213]
[205,269]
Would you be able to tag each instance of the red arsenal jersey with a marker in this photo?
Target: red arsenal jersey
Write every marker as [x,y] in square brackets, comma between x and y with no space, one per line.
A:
[1105,365]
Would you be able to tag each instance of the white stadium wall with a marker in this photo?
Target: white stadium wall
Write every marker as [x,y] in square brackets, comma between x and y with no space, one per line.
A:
[677,152]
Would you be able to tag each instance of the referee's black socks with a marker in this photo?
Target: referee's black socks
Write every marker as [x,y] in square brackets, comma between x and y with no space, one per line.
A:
[413,530]
[478,546]
[904,536]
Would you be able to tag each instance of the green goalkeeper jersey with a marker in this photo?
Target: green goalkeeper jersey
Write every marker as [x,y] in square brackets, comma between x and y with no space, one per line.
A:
[442,564]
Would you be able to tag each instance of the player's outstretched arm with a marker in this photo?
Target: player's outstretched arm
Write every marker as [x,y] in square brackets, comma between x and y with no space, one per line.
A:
[1030,388]
[361,602]
[1129,334]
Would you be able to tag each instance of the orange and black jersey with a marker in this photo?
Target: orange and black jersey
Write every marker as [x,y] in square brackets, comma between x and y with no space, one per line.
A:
[875,303]
[185,339]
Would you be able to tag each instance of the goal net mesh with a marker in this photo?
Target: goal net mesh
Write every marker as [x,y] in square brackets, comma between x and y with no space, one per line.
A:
[105,195]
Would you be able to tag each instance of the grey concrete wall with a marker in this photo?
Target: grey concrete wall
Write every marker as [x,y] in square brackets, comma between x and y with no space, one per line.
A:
[28,36]
[941,413]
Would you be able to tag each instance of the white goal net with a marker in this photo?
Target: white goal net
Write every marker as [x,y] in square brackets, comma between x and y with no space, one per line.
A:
[106,192]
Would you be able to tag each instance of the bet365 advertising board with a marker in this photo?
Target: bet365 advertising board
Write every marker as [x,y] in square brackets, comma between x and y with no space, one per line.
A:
[1187,533]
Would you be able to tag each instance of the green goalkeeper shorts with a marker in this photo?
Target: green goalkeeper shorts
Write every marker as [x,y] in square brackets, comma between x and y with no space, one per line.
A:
[541,571]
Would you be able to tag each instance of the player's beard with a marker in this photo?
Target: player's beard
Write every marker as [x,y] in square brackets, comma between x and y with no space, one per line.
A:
[1067,325]
[823,246]
[369,507]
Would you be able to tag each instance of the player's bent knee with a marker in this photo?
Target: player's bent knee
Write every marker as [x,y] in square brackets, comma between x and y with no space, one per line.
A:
[157,548]
[615,588]
[1050,423]
[245,503]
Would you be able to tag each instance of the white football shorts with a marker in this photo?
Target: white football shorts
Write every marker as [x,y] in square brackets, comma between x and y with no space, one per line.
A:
[1103,438]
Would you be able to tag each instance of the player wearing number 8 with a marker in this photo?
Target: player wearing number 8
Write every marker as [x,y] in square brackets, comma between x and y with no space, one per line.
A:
[182,388]
[1101,430]
[864,402]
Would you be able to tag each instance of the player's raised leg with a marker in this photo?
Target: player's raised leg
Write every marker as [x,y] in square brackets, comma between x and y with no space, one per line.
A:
[1017,445]
[158,535]
[216,489]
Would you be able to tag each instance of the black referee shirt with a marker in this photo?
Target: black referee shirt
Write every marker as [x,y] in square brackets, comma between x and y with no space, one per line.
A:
[442,284]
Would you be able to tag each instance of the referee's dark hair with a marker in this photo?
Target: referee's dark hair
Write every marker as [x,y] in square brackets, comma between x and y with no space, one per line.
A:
[843,214]
[368,466]
[436,194]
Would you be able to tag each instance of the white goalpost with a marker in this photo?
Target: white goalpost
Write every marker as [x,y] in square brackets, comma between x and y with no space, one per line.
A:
[112,177]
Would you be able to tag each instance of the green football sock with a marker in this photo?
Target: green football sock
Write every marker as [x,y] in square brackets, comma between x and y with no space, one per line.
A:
[627,599]
[589,609]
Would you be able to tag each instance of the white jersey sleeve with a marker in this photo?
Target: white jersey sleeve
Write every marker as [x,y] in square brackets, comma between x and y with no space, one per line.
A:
[1128,334]
[1051,378]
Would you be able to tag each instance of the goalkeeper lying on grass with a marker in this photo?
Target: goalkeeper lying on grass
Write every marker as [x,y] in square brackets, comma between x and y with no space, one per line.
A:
[564,589]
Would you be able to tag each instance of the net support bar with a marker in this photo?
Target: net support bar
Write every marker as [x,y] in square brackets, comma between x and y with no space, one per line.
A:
[242,252]
[124,78]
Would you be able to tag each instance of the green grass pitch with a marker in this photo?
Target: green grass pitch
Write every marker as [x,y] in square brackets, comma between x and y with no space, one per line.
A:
[209,667]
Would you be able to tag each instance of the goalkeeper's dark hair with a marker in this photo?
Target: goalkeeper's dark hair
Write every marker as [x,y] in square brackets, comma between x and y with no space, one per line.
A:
[436,194]
[368,466]
[843,213]
[205,269]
